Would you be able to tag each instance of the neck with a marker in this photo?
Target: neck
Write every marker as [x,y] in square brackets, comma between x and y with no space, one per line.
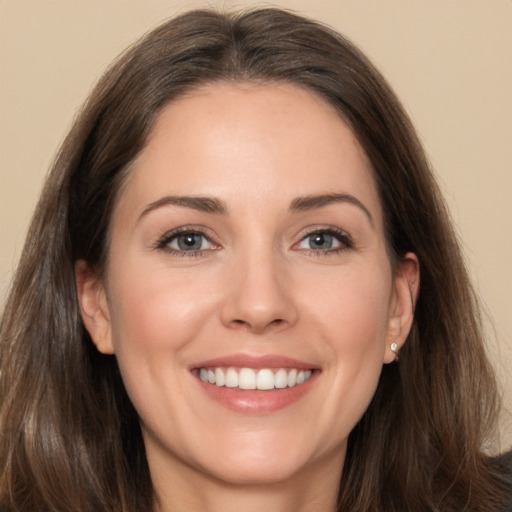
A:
[189,490]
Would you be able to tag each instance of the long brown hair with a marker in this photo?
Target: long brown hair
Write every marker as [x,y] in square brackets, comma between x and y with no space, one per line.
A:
[70,438]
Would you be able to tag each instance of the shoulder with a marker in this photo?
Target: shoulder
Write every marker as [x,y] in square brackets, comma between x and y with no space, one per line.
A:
[504,466]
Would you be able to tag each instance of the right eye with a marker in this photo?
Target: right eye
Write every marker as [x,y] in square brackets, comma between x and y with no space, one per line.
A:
[189,242]
[186,243]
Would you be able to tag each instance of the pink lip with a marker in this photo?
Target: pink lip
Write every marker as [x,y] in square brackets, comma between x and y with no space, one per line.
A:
[255,402]
[250,361]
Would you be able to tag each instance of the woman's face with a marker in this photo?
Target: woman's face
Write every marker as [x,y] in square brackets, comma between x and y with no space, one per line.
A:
[249,298]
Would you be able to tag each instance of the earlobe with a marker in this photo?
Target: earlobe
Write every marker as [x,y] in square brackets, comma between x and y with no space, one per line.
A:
[406,288]
[94,307]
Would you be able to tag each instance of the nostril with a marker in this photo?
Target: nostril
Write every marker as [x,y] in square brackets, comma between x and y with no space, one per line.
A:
[255,326]
[236,323]
[277,324]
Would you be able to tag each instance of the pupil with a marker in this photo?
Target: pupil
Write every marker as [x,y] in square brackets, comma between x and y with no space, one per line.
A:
[189,242]
[321,241]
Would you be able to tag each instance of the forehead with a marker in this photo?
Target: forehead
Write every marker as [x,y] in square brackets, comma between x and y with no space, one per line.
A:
[250,141]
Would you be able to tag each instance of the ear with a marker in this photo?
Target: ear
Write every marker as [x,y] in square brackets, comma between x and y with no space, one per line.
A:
[94,307]
[405,294]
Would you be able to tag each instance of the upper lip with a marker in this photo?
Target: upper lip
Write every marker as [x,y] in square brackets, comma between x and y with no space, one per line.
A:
[252,361]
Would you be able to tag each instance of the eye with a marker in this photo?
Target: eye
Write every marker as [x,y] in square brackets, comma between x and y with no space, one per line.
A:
[189,242]
[186,243]
[326,241]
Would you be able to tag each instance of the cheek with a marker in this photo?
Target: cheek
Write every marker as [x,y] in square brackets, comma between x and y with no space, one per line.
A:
[353,306]
[354,324]
[362,326]
[154,316]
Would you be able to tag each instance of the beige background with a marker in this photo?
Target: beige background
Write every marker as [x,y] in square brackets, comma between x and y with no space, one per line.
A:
[449,60]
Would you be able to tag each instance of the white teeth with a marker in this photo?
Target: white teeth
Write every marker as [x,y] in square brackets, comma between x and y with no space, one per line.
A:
[265,380]
[281,379]
[220,379]
[231,378]
[248,378]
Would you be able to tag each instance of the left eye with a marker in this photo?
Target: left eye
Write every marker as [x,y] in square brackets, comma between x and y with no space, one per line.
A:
[323,241]
[189,242]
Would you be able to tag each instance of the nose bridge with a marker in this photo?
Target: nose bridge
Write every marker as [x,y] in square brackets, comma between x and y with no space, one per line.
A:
[260,296]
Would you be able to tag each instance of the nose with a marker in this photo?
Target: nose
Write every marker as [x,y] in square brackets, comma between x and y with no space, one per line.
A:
[259,296]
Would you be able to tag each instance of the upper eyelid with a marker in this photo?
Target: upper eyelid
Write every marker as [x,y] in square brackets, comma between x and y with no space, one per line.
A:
[311,230]
[199,230]
[168,236]
[343,237]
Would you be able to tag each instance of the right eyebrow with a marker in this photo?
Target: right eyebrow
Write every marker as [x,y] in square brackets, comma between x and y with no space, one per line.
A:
[201,204]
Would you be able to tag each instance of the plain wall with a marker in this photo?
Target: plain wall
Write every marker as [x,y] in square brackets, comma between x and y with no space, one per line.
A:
[450,61]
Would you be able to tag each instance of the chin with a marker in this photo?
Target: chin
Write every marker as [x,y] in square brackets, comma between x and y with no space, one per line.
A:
[274,463]
[266,471]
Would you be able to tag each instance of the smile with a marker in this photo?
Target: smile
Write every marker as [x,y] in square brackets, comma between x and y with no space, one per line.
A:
[255,384]
[263,379]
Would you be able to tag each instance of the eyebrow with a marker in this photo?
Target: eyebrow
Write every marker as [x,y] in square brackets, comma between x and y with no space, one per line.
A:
[217,206]
[201,204]
[306,203]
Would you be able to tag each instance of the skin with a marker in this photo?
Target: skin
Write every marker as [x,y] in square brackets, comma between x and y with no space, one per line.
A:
[257,286]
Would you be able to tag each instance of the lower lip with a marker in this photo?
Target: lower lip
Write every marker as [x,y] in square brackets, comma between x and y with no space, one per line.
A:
[254,401]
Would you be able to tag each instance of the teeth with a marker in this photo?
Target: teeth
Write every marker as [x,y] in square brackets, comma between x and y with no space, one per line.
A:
[248,378]
[231,378]
[220,379]
[281,379]
[265,380]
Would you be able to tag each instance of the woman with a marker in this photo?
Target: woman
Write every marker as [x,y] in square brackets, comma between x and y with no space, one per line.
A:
[222,270]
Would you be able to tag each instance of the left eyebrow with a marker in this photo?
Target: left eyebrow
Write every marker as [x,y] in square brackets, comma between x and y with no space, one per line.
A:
[302,204]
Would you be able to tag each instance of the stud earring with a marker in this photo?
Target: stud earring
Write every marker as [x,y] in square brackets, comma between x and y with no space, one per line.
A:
[394,349]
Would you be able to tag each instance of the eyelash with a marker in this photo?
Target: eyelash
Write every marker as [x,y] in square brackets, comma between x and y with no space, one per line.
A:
[344,239]
[163,243]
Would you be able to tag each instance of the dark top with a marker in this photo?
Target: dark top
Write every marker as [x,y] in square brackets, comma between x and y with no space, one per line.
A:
[505,463]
